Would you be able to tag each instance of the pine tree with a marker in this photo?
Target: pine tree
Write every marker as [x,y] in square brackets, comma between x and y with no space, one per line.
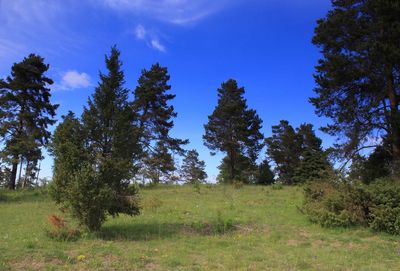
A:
[155,121]
[233,129]
[357,78]
[265,175]
[297,153]
[314,165]
[158,165]
[284,148]
[25,114]
[193,169]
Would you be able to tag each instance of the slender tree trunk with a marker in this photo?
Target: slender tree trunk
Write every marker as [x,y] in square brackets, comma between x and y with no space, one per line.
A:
[394,121]
[27,172]
[232,165]
[13,175]
[20,171]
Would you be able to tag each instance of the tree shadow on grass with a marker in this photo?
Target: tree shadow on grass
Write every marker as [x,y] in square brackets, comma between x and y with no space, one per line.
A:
[140,231]
[154,231]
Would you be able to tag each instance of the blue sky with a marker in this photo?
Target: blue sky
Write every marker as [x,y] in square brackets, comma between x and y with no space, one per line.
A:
[264,44]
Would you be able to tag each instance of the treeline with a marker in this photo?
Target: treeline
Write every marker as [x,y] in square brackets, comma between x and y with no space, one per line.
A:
[118,140]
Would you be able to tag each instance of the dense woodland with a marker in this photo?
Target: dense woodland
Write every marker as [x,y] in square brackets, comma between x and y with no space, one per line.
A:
[118,142]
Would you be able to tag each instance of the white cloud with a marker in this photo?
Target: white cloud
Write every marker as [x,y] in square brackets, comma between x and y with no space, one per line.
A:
[155,44]
[181,12]
[73,80]
[150,37]
[140,32]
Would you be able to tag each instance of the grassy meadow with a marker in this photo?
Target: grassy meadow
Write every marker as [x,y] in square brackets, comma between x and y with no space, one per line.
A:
[183,228]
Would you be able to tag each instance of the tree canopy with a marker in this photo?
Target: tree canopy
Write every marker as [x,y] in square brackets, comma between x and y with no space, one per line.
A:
[234,129]
[26,112]
[357,78]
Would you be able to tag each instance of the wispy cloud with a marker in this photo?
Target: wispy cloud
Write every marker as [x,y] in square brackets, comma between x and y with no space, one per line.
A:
[150,38]
[180,12]
[140,32]
[73,80]
[35,27]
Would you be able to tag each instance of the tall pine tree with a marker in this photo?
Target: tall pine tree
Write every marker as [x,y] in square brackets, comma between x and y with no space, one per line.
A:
[154,121]
[25,114]
[234,130]
[358,84]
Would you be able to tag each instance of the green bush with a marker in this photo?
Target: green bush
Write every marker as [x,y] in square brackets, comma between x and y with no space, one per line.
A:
[376,205]
[277,186]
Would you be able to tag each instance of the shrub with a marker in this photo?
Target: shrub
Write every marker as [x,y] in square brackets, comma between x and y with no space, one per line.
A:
[376,205]
[277,186]
[60,230]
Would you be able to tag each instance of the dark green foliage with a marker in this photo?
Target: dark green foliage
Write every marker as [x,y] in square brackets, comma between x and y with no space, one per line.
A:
[265,175]
[297,153]
[68,148]
[94,160]
[154,122]
[245,170]
[110,127]
[235,130]
[284,148]
[357,78]
[193,169]
[158,165]
[377,165]
[25,114]
[376,205]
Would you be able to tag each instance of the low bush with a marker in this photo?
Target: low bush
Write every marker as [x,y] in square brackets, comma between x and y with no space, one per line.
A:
[60,230]
[277,186]
[376,205]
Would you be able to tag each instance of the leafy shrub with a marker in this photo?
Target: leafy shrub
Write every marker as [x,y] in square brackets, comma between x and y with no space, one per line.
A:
[223,225]
[60,230]
[376,205]
[277,186]
[237,184]
[220,225]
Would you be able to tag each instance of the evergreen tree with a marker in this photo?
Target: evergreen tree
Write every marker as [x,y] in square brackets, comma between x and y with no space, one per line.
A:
[284,148]
[25,114]
[158,165]
[314,164]
[357,78]
[110,127]
[95,159]
[234,129]
[265,175]
[193,169]
[68,147]
[155,121]
[297,153]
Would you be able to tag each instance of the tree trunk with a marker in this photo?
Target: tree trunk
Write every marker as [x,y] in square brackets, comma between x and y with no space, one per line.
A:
[231,166]
[13,175]
[394,121]
[20,171]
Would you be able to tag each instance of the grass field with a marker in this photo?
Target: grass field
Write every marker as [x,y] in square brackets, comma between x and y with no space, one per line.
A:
[220,228]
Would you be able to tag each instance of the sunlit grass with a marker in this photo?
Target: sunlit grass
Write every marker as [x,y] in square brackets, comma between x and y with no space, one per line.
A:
[220,228]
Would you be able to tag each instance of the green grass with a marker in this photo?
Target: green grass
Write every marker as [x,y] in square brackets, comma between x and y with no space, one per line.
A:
[220,228]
